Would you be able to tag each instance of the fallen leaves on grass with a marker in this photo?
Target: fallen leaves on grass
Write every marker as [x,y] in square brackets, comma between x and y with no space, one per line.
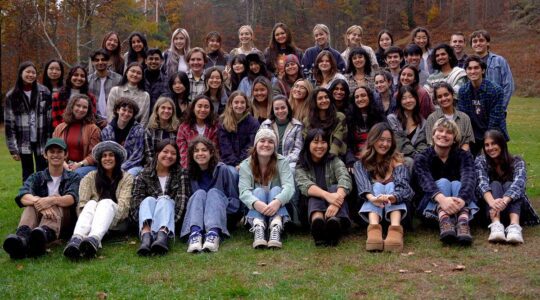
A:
[132,243]
[256,273]
[428,271]
[407,254]
[101,257]
[20,267]
[402,271]
[101,295]
[261,264]
[459,268]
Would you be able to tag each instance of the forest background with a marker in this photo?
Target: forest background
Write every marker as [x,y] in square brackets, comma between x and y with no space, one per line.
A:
[39,30]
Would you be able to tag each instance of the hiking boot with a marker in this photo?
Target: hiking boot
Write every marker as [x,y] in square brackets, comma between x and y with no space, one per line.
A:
[259,240]
[464,233]
[448,231]
[16,245]
[274,239]
[195,244]
[497,233]
[211,242]
[333,231]
[161,244]
[513,234]
[394,239]
[318,229]
[146,242]
[39,238]
[374,240]
[89,247]
[72,249]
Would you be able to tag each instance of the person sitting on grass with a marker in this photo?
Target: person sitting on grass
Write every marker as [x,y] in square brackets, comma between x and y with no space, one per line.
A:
[49,198]
[382,180]
[324,183]
[214,201]
[447,180]
[160,193]
[104,199]
[266,184]
[502,178]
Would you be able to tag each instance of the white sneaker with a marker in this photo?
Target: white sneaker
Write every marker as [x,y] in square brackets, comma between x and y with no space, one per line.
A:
[195,242]
[211,242]
[274,241]
[513,234]
[259,240]
[497,232]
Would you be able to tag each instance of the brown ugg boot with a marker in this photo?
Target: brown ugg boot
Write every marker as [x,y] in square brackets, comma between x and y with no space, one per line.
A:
[374,240]
[394,239]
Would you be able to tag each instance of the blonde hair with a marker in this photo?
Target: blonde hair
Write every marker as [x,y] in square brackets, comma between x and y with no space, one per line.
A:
[301,110]
[153,122]
[173,55]
[449,125]
[229,120]
[248,27]
[350,30]
[323,28]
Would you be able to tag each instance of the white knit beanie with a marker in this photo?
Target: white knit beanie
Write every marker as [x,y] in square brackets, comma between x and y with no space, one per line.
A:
[266,133]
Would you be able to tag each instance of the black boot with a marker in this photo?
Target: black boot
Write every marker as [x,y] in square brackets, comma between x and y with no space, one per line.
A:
[89,247]
[146,241]
[318,228]
[161,244]
[39,238]
[16,245]
[333,231]
[72,249]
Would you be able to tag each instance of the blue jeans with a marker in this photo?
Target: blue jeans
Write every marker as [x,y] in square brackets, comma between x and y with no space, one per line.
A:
[368,207]
[449,189]
[207,210]
[82,171]
[267,197]
[134,171]
[158,213]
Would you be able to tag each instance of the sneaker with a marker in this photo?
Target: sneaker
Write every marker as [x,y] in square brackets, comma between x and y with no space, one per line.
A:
[259,240]
[464,233]
[89,247]
[195,242]
[497,233]
[211,242]
[72,249]
[274,240]
[448,231]
[513,234]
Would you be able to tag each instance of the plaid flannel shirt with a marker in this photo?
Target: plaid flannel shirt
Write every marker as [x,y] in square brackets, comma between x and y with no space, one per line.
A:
[59,106]
[186,133]
[134,144]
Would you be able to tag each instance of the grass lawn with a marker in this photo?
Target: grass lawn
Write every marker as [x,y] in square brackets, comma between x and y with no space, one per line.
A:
[425,269]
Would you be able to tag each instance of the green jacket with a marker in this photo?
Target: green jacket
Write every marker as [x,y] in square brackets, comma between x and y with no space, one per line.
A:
[284,178]
[335,174]
[338,136]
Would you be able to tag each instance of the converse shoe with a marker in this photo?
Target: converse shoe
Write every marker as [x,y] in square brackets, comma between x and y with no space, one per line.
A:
[211,242]
[195,242]
[72,250]
[274,241]
[259,240]
[513,234]
[497,232]
[89,247]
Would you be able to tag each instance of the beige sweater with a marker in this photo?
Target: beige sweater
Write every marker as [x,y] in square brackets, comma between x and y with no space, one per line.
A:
[87,192]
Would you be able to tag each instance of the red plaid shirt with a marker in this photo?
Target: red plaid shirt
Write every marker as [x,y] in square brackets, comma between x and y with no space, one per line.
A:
[186,133]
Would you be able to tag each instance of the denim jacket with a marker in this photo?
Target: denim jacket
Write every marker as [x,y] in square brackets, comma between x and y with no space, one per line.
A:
[36,185]
[498,71]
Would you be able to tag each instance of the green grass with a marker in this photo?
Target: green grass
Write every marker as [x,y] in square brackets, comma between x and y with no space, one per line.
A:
[299,270]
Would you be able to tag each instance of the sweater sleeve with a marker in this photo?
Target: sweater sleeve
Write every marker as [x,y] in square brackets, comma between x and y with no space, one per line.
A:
[362,180]
[227,154]
[343,177]
[123,197]
[517,188]
[403,143]
[402,189]
[114,94]
[86,188]
[423,174]
[181,141]
[10,126]
[246,185]
[287,181]
[303,181]
[95,138]
[482,174]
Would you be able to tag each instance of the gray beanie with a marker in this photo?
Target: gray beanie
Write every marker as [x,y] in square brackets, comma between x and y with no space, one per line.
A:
[268,134]
[113,146]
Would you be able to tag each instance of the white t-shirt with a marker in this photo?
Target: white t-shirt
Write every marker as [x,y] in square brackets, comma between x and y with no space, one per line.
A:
[54,185]
[102,100]
[200,129]
[163,182]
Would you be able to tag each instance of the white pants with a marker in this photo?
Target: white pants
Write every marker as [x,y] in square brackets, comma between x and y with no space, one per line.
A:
[96,218]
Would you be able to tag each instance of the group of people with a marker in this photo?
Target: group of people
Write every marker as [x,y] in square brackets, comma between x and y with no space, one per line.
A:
[194,140]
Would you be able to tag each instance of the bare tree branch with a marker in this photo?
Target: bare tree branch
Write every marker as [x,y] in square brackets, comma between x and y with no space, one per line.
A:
[47,36]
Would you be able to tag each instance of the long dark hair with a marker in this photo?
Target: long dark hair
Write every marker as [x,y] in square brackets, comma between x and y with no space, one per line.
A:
[18,90]
[263,71]
[374,113]
[47,80]
[105,186]
[380,51]
[305,160]
[400,111]
[416,76]
[346,102]
[274,47]
[179,98]
[65,91]
[289,109]
[235,78]
[331,114]
[359,51]
[504,161]
[191,119]
[375,165]
[160,146]
[132,55]
[140,85]
[116,56]
[424,30]
[195,171]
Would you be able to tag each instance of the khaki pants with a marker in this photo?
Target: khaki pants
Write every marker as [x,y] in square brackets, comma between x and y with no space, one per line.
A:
[32,218]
